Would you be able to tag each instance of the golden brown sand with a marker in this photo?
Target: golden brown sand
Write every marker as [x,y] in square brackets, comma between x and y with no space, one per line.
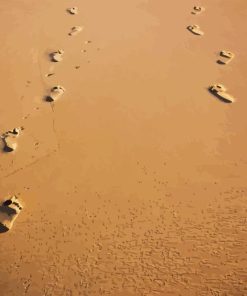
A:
[134,181]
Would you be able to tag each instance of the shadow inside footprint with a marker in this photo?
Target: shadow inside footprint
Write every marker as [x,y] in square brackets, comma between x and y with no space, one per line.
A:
[3,228]
[50,55]
[220,62]
[72,10]
[4,209]
[48,99]
[49,74]
[195,29]
[7,149]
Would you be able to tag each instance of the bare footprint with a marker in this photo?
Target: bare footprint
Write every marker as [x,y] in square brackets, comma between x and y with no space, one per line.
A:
[220,91]
[57,56]
[10,139]
[75,30]
[198,10]
[55,93]
[195,29]
[226,57]
[9,211]
[73,10]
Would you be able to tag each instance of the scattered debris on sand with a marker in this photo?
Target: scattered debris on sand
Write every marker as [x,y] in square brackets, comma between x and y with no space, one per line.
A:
[9,210]
[10,139]
[73,10]
[220,91]
[55,93]
[198,10]
[226,57]
[75,30]
[195,29]
[57,56]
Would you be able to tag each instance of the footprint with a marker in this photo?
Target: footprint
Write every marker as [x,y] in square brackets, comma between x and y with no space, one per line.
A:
[9,139]
[219,90]
[226,57]
[57,56]
[73,10]
[198,10]
[75,30]
[195,29]
[55,93]
[9,211]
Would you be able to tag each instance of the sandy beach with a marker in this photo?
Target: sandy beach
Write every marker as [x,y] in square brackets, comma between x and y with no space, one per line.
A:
[134,178]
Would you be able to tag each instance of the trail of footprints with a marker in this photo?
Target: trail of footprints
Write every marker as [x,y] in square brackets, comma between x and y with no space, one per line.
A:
[8,208]
[152,266]
[219,90]
[57,91]
[10,137]
[225,57]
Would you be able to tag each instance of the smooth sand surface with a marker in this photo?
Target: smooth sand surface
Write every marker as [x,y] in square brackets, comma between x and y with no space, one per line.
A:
[135,180]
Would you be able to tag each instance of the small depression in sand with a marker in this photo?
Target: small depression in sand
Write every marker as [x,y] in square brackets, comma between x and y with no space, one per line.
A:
[75,30]
[198,9]
[220,91]
[10,139]
[9,210]
[55,93]
[195,29]
[226,57]
[73,10]
[57,56]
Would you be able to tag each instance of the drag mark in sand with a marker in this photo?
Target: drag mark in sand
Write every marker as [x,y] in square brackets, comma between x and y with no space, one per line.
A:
[28,165]
[54,124]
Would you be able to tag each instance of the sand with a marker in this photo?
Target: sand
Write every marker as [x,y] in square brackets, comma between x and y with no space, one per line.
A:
[134,181]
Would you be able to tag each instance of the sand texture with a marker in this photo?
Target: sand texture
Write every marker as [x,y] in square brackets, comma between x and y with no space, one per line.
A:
[133,172]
